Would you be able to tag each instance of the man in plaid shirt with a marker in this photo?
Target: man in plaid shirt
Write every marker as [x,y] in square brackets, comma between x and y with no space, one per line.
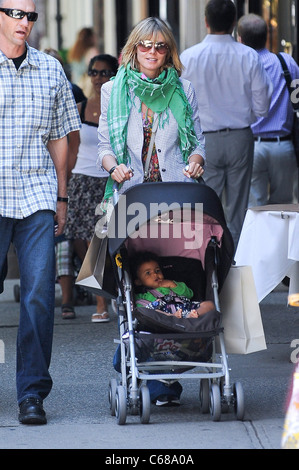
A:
[37,112]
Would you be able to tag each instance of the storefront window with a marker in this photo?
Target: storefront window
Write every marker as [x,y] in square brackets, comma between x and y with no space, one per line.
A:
[270,14]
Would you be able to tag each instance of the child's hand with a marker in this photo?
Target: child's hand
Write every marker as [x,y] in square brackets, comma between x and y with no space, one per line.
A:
[178,313]
[168,283]
[192,314]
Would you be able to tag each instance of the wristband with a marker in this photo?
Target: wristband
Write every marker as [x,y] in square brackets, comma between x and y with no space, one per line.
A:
[62,199]
[111,170]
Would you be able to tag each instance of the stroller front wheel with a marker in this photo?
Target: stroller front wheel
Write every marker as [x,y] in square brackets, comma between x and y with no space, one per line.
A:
[121,405]
[239,404]
[145,404]
[204,395]
[215,402]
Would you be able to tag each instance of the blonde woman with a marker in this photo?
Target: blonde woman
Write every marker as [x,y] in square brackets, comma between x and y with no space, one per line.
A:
[148,89]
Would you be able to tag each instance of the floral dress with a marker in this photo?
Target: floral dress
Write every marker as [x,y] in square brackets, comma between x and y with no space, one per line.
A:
[154,174]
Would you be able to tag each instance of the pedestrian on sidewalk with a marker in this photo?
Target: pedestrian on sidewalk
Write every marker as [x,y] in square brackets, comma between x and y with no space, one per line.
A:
[87,182]
[38,111]
[149,117]
[274,164]
[232,90]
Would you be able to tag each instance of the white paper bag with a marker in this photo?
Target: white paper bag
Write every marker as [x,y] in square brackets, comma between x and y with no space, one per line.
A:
[241,316]
[96,273]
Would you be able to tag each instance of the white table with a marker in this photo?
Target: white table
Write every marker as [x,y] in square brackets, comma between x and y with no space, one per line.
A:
[269,243]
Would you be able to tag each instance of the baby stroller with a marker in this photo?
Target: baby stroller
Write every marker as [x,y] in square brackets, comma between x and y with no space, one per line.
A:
[184,225]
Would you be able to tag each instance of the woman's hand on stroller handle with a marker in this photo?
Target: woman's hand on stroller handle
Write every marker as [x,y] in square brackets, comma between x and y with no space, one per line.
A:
[122,173]
[194,169]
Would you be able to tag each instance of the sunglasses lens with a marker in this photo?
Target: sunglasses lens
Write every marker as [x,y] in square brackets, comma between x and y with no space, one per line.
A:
[101,73]
[106,73]
[145,46]
[32,16]
[16,14]
[162,48]
[19,14]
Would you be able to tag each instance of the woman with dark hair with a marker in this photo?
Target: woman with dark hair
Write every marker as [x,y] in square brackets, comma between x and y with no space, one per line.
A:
[87,183]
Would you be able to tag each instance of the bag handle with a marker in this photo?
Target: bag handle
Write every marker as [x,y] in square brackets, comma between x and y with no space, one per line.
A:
[288,79]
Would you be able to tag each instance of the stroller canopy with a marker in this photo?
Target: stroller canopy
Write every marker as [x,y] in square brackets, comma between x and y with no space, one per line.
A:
[147,202]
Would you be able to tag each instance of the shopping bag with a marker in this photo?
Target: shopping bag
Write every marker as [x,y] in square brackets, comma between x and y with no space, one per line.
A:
[96,273]
[241,316]
[290,435]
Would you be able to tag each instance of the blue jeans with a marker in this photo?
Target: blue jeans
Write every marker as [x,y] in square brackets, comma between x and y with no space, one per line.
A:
[33,238]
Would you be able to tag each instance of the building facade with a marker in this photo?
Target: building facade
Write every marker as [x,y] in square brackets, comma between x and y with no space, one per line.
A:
[112,20]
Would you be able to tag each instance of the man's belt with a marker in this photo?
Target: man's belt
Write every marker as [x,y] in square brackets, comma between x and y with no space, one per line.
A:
[273,139]
[226,129]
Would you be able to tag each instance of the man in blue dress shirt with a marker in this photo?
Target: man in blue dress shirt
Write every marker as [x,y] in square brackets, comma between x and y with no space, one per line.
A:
[232,90]
[274,164]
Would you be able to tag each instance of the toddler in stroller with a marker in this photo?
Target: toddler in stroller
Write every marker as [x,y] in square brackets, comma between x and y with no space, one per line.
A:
[153,291]
[184,225]
[164,295]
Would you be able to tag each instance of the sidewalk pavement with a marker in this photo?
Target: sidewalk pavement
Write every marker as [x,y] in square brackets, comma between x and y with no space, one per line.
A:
[78,411]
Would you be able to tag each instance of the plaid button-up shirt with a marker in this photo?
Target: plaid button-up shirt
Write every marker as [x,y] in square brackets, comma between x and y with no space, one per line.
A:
[36,105]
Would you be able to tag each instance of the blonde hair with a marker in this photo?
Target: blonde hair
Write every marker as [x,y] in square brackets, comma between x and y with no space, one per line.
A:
[149,28]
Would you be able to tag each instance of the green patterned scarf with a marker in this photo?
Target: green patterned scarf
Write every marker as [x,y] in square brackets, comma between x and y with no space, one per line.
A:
[163,92]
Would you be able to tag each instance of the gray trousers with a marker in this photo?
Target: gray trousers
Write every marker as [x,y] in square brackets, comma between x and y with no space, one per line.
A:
[274,168]
[229,161]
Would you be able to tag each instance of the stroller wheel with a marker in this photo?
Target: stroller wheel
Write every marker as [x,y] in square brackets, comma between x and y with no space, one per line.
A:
[112,395]
[204,395]
[224,398]
[121,404]
[239,404]
[145,404]
[215,402]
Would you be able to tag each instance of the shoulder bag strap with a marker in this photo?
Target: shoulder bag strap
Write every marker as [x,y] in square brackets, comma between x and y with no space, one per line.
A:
[288,78]
[151,145]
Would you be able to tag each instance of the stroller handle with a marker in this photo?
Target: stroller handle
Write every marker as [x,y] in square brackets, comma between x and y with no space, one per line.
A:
[116,186]
[115,192]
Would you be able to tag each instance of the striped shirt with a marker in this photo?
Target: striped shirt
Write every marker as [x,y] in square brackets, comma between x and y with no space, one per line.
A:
[36,105]
[279,120]
[231,84]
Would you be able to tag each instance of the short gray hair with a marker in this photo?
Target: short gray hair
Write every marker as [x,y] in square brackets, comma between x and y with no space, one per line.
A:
[3,1]
[253,31]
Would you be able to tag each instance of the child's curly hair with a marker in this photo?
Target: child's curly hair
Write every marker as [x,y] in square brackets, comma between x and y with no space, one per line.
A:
[138,259]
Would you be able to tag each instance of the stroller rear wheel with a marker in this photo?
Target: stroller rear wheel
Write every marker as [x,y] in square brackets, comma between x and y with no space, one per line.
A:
[121,404]
[145,404]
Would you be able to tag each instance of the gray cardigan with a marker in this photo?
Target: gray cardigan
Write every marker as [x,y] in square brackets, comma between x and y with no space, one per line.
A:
[171,162]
